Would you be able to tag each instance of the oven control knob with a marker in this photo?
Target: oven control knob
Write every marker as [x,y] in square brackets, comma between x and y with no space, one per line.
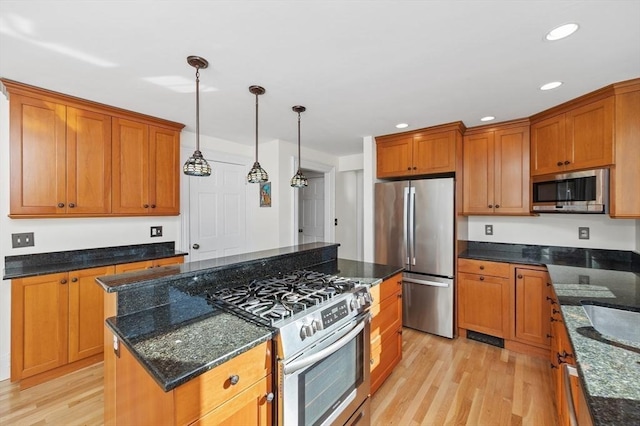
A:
[306,331]
[355,304]
[317,325]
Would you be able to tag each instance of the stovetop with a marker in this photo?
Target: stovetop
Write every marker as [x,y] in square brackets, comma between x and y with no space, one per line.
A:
[305,306]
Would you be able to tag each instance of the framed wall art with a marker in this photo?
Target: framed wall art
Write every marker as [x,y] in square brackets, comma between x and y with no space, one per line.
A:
[265,194]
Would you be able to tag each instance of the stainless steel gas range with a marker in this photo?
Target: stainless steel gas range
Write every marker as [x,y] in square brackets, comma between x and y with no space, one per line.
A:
[322,345]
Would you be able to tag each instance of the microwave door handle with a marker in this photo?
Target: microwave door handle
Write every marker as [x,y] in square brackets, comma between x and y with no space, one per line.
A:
[312,359]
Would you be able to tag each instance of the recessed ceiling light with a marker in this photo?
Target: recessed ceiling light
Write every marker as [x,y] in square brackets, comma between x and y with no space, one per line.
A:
[402,125]
[561,32]
[488,118]
[551,85]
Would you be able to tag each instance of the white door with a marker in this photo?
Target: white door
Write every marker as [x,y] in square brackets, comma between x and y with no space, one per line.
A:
[217,212]
[311,211]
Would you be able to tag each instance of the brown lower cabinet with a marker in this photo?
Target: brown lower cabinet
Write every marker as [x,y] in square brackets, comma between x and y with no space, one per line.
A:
[57,321]
[507,301]
[207,399]
[386,329]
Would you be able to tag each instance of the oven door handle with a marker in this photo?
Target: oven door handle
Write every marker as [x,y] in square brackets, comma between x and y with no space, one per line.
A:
[312,359]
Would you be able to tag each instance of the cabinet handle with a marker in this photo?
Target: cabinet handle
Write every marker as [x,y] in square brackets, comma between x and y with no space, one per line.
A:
[234,379]
[519,276]
[555,320]
[371,361]
[74,279]
[548,284]
[497,206]
[549,336]
[490,206]
[566,163]
[400,282]
[63,281]
[555,311]
[146,206]
[553,366]
[553,301]
[408,168]
[415,168]
[481,278]
[400,296]
[72,205]
[153,206]
[269,397]
[61,205]
[482,267]
[400,331]
[559,163]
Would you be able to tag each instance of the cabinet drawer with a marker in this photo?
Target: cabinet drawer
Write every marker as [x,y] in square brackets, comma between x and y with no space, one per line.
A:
[385,289]
[389,316]
[494,269]
[209,390]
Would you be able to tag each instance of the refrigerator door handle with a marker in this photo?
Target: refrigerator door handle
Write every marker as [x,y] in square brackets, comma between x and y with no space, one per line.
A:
[412,224]
[425,282]
[405,221]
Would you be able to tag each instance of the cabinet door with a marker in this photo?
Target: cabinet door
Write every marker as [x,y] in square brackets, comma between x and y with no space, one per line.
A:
[394,157]
[548,146]
[86,312]
[39,318]
[164,171]
[386,353]
[248,408]
[589,135]
[130,166]
[511,179]
[532,324]
[88,162]
[38,147]
[434,153]
[478,174]
[483,304]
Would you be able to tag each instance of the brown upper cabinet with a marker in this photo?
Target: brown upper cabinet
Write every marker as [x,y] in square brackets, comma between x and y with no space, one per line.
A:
[579,138]
[496,169]
[68,160]
[421,152]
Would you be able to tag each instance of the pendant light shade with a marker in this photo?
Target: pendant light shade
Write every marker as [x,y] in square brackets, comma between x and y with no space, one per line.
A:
[299,180]
[257,174]
[196,165]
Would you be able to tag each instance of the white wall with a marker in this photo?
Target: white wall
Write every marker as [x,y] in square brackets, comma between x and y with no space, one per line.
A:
[557,230]
[348,213]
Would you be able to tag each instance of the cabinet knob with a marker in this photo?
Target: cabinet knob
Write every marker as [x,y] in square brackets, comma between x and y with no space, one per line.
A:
[399,282]
[72,205]
[408,168]
[553,366]
[415,168]
[490,206]
[481,278]
[371,361]
[61,205]
[559,163]
[549,336]
[567,162]
[497,206]
[482,267]
[400,296]
[552,301]
[74,279]
[519,276]
[269,397]
[153,206]
[234,379]
[146,206]
[63,281]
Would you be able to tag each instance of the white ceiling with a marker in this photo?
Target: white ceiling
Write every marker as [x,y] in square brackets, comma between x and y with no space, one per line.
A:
[359,67]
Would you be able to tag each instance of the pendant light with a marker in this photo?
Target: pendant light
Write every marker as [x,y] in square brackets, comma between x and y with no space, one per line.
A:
[196,165]
[299,180]
[257,174]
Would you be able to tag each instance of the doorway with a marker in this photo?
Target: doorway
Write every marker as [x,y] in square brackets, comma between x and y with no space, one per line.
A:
[311,209]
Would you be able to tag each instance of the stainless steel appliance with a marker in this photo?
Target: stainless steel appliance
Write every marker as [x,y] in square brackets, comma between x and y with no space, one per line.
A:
[322,345]
[577,192]
[414,228]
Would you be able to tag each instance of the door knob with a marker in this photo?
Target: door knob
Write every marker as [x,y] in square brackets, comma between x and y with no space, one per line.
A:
[196,246]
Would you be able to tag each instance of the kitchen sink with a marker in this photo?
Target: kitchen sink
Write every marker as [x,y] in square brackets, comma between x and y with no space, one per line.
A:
[619,323]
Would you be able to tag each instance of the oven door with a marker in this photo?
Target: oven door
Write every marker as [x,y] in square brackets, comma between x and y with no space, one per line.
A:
[329,381]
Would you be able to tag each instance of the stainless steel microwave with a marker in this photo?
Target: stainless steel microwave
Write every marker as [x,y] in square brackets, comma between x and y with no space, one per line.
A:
[577,192]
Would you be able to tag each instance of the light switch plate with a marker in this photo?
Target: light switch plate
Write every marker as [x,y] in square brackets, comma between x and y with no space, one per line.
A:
[488,230]
[583,232]
[156,231]
[25,239]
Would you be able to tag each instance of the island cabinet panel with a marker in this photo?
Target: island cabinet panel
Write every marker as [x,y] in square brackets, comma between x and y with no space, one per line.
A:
[207,399]
[146,176]
[580,138]
[532,311]
[421,152]
[386,329]
[625,175]
[496,170]
[121,268]
[56,322]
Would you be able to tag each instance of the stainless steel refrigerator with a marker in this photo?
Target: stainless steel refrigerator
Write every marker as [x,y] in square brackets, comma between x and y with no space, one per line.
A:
[414,228]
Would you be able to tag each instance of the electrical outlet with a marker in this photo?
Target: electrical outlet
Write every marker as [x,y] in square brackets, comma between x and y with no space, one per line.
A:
[488,230]
[156,231]
[583,232]
[22,240]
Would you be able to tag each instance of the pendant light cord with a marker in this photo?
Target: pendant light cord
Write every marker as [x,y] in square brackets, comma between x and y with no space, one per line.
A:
[197,108]
[299,166]
[256,127]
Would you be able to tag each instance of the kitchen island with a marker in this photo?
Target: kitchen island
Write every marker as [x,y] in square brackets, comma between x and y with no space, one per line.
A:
[608,367]
[173,332]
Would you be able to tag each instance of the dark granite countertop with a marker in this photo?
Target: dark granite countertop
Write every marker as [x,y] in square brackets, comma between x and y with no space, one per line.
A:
[367,273]
[181,340]
[609,368]
[29,265]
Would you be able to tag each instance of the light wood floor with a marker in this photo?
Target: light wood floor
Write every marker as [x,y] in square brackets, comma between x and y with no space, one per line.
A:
[439,381]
